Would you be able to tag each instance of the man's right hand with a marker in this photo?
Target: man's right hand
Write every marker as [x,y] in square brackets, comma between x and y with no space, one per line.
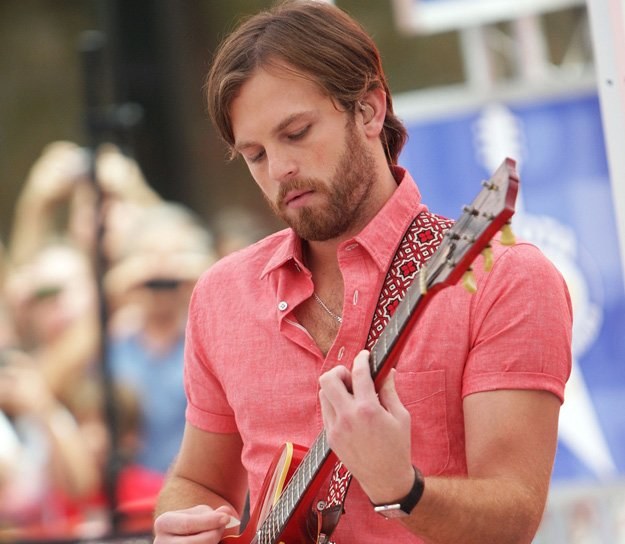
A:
[199,524]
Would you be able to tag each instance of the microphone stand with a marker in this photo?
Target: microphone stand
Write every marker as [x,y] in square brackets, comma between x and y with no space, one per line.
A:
[101,123]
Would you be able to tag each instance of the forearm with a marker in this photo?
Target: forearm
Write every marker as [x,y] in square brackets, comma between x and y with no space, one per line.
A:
[477,511]
[72,464]
[65,359]
[32,224]
[179,493]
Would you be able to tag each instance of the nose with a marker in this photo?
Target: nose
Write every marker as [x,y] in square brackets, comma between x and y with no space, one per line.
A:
[282,165]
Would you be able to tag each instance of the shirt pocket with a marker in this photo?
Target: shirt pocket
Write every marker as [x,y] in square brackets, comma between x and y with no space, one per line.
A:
[423,395]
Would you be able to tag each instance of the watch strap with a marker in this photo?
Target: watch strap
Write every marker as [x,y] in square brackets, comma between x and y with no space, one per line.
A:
[404,506]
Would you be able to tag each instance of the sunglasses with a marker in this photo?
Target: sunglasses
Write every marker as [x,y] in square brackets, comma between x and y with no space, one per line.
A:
[162,284]
[46,292]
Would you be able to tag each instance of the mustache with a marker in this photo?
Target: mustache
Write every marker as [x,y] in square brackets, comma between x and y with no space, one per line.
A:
[299,185]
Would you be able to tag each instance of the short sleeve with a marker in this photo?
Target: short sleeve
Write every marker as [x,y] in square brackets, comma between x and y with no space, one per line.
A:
[521,321]
[207,406]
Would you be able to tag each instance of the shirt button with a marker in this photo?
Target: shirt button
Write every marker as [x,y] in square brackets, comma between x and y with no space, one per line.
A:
[355,299]
[341,353]
[350,247]
[282,305]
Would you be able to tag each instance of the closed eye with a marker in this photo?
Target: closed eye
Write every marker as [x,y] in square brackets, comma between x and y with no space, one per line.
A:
[294,136]
[255,158]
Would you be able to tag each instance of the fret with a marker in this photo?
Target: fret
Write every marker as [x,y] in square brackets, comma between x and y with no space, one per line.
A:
[384,344]
[290,501]
[393,322]
[275,529]
[316,453]
[413,302]
[284,510]
[401,317]
[276,520]
[406,308]
[373,358]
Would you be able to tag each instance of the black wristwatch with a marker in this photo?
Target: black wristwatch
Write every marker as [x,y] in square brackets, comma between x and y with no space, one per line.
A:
[404,506]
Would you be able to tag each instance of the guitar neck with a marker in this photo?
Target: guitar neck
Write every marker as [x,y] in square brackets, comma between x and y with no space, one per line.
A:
[313,468]
[464,241]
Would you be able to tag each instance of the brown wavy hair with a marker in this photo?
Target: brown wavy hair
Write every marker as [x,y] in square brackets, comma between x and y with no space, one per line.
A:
[320,42]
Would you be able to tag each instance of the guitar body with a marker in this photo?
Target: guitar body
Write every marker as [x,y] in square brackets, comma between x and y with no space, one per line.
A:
[305,523]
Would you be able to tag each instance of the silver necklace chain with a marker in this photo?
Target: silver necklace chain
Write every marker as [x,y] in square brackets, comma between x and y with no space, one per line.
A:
[334,316]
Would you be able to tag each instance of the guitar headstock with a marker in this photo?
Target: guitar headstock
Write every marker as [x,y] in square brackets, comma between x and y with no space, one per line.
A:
[471,234]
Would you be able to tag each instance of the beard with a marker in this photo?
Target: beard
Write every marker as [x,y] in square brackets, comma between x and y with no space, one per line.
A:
[346,194]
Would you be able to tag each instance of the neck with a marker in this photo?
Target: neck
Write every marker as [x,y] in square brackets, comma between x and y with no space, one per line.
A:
[321,259]
[321,255]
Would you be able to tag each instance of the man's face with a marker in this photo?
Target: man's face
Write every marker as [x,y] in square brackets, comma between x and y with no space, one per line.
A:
[307,156]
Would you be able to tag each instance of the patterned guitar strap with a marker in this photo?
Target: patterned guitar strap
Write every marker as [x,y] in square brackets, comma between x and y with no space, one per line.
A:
[419,243]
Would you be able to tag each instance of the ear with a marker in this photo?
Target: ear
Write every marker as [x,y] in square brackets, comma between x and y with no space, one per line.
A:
[367,111]
[372,111]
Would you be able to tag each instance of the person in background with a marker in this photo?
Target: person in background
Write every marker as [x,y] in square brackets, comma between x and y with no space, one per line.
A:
[135,487]
[237,227]
[9,441]
[49,291]
[458,442]
[57,201]
[46,460]
[52,299]
[50,268]
[149,287]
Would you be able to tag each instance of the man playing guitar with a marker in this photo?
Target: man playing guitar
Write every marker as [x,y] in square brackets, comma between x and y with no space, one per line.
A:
[456,442]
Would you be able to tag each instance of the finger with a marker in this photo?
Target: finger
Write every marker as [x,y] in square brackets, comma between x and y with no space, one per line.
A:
[191,521]
[234,521]
[361,376]
[336,384]
[328,413]
[388,395]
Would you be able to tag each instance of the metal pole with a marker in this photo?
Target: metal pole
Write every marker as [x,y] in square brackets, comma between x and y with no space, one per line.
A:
[607,24]
[532,53]
[478,63]
[92,45]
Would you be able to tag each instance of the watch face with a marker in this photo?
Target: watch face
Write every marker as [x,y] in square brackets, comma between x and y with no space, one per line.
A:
[390,511]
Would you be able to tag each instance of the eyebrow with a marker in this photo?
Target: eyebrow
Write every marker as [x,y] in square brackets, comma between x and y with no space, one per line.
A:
[279,128]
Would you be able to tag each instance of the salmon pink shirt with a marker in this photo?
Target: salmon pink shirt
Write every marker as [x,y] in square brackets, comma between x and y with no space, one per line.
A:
[252,368]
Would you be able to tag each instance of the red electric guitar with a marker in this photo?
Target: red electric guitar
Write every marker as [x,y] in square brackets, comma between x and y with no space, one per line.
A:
[288,511]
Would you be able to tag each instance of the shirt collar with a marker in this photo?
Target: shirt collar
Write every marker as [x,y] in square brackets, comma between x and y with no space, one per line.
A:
[385,231]
[380,237]
[289,248]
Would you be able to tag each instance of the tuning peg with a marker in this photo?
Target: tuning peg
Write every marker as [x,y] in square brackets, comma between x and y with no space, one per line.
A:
[487,253]
[507,236]
[468,281]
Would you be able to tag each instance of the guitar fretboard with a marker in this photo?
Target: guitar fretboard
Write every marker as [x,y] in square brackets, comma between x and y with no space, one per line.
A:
[276,520]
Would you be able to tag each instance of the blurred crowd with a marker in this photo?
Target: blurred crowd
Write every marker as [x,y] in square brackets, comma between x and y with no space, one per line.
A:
[95,277]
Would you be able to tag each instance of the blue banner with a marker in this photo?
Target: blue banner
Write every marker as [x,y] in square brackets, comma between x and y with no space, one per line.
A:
[565,207]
